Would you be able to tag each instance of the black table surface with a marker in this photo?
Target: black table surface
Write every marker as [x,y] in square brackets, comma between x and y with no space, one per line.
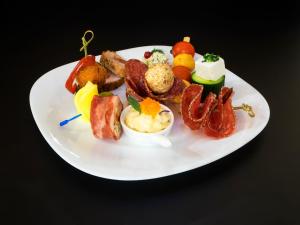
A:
[257,184]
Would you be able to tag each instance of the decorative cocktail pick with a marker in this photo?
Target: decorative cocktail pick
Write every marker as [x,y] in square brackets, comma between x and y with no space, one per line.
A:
[85,43]
[62,123]
[246,108]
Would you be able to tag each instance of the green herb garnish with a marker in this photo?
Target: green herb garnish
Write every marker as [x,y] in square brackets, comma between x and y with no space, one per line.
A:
[134,103]
[157,50]
[105,94]
[210,57]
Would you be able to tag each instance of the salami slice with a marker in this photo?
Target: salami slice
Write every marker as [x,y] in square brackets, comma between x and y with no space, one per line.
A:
[132,92]
[221,122]
[135,75]
[191,93]
[216,116]
[199,112]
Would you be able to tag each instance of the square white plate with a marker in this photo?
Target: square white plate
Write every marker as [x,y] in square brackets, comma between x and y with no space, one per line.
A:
[51,103]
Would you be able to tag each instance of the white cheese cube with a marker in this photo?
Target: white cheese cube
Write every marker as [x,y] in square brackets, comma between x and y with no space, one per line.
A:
[210,70]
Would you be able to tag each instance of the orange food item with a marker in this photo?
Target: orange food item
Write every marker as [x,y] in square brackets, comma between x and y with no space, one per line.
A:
[183,47]
[150,107]
[185,60]
[182,72]
[95,73]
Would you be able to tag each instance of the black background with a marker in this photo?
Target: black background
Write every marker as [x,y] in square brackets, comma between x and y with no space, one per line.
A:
[258,184]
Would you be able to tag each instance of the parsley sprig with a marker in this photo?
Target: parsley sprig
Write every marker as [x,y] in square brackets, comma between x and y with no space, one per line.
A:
[157,50]
[208,57]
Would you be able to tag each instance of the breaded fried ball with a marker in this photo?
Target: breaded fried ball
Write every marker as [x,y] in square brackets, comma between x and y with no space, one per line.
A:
[96,74]
[160,78]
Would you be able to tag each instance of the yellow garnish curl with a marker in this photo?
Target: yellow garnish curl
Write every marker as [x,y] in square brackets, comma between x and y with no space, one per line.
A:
[150,107]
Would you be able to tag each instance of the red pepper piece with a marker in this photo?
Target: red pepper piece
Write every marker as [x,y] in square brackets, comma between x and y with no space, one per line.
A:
[88,60]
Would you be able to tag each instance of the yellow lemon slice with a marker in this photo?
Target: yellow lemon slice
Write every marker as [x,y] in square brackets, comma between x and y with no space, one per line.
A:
[83,99]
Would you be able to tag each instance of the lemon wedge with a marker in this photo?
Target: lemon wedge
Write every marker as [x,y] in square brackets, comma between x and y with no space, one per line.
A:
[83,99]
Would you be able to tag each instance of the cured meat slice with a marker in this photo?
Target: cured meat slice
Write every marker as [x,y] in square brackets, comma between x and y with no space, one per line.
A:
[199,112]
[221,122]
[105,117]
[216,116]
[131,92]
[135,76]
[195,113]
[188,95]
[137,86]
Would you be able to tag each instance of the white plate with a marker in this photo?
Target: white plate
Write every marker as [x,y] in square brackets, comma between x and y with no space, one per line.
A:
[123,160]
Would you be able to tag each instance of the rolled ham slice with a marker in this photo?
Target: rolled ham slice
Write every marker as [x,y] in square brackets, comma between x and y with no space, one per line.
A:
[105,117]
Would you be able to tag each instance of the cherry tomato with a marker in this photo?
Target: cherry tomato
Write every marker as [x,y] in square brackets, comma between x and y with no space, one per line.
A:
[182,72]
[183,47]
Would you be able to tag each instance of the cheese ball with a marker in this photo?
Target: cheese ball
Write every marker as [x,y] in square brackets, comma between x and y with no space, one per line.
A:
[160,78]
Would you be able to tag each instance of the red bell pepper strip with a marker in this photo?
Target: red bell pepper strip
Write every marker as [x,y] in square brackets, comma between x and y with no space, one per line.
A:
[88,60]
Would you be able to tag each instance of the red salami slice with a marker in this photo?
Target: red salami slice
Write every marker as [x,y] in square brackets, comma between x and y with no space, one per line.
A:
[221,122]
[135,75]
[216,116]
[131,92]
[199,112]
[189,94]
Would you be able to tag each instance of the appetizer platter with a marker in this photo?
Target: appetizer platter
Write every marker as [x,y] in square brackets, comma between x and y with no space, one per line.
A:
[146,112]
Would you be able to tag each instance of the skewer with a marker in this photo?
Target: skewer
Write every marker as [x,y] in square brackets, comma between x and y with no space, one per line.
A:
[85,43]
[62,123]
[246,108]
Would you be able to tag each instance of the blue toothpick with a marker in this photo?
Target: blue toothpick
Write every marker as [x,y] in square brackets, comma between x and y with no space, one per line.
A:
[62,123]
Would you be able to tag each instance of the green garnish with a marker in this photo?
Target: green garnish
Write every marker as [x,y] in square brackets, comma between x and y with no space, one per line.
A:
[157,50]
[105,94]
[210,57]
[134,103]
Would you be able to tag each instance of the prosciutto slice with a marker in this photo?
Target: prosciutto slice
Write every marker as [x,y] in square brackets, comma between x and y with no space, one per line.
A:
[215,115]
[105,117]
[137,87]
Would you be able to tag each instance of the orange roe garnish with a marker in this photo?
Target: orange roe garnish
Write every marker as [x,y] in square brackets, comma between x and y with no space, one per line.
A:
[150,107]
